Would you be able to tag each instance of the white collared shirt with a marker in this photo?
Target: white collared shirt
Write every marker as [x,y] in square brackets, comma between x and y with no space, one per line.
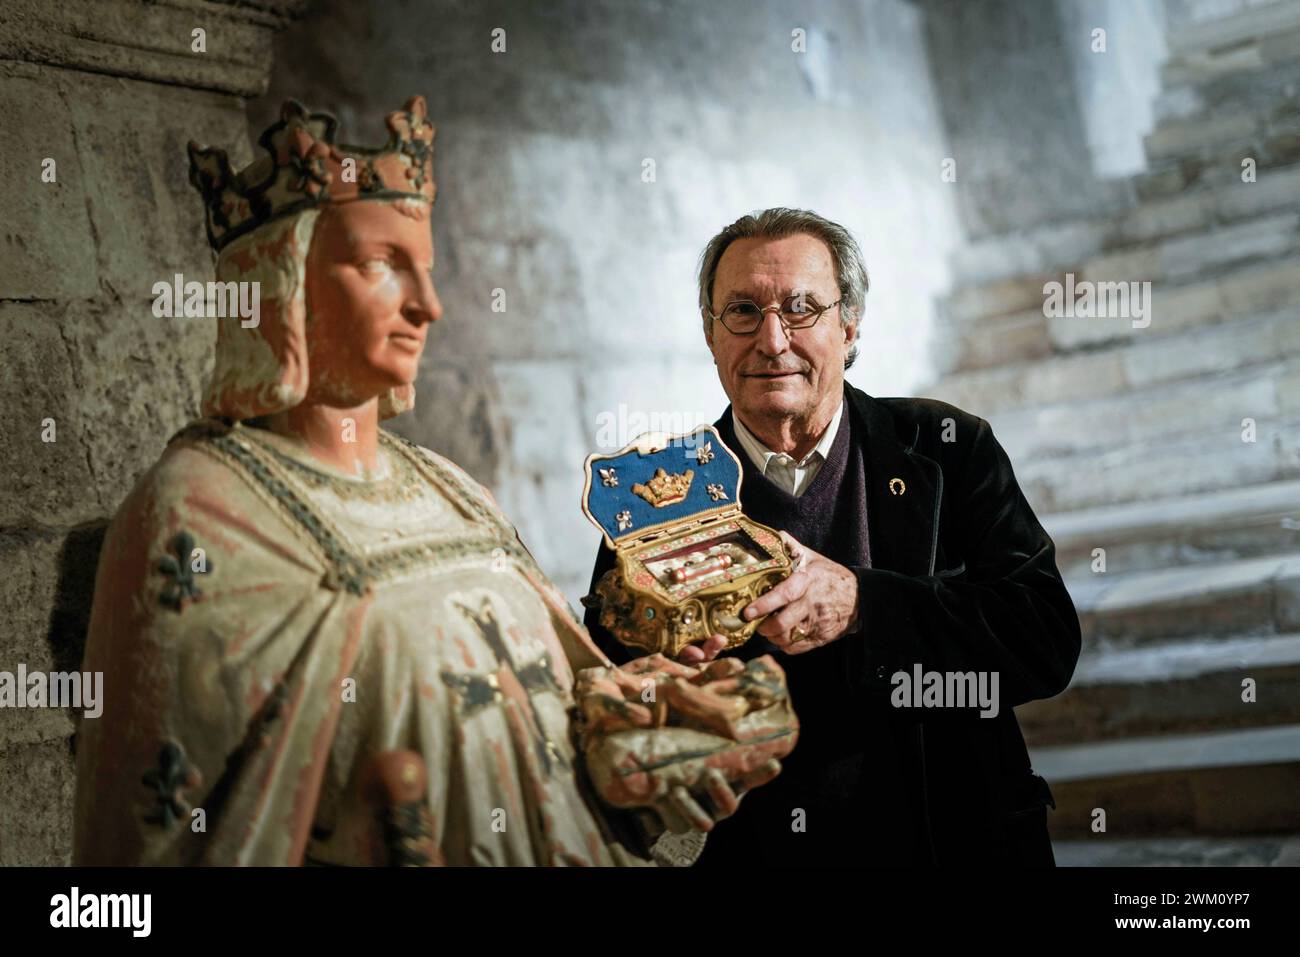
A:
[782,470]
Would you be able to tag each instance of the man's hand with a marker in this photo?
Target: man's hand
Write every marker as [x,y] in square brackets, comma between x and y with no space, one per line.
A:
[820,599]
[816,605]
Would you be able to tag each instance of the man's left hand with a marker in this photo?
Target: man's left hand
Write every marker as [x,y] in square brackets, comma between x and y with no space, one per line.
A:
[817,604]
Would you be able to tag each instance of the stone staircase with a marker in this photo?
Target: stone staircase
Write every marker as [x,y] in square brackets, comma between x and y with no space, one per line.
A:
[1131,440]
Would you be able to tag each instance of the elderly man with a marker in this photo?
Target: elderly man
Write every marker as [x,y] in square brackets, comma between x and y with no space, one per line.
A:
[921,563]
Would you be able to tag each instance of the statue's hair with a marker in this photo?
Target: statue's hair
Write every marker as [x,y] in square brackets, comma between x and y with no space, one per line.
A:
[778,223]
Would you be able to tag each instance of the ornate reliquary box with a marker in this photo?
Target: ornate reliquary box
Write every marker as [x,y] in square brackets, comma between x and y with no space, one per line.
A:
[688,560]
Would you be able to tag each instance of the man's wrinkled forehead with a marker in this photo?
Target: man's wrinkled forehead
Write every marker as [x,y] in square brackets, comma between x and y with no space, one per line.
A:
[764,268]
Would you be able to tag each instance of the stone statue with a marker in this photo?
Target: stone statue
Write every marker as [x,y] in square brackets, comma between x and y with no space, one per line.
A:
[324,644]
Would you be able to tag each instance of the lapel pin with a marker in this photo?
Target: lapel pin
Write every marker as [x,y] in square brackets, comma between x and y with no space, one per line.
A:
[897,486]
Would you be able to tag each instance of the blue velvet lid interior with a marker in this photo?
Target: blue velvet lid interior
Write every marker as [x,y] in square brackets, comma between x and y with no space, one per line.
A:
[610,480]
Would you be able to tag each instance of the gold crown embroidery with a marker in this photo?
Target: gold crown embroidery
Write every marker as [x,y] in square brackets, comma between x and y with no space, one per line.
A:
[665,489]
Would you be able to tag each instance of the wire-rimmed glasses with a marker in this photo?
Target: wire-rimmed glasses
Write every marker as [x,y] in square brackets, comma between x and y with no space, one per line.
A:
[742,317]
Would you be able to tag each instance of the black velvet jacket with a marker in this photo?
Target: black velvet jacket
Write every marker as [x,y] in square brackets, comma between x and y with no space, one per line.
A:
[963,579]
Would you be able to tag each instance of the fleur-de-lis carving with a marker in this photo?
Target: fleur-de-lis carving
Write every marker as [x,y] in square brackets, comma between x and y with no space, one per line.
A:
[704,454]
[169,782]
[608,478]
[624,519]
[178,569]
[716,491]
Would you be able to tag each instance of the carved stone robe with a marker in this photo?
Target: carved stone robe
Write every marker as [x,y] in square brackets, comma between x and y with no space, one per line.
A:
[266,625]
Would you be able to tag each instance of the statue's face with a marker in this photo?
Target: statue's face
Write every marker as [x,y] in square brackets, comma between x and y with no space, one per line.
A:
[774,373]
[370,299]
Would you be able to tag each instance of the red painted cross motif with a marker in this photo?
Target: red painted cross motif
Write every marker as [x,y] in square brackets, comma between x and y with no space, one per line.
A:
[478,691]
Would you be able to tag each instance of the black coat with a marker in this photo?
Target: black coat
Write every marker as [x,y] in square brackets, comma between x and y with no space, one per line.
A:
[963,578]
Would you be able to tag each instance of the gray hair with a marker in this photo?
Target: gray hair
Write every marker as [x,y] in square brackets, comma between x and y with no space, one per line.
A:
[778,223]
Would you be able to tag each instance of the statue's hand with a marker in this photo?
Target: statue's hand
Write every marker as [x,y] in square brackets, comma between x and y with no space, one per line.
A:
[680,810]
[686,742]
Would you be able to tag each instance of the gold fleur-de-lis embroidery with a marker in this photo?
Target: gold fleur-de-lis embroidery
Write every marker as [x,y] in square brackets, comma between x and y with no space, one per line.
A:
[624,519]
[716,491]
[608,478]
[704,454]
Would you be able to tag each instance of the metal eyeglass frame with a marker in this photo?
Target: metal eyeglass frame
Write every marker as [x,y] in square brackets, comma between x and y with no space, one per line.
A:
[763,311]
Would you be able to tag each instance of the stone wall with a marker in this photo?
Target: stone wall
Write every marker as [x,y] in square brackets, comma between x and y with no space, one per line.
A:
[539,159]
[543,159]
[110,91]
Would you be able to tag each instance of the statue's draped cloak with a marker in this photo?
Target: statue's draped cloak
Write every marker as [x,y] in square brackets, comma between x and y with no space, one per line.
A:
[266,624]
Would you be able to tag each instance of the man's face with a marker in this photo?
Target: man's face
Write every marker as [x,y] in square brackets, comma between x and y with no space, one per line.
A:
[773,374]
[371,299]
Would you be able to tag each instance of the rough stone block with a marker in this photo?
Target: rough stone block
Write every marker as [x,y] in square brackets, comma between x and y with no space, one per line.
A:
[1195,134]
[1264,288]
[43,481]
[138,380]
[1254,799]
[1273,189]
[1222,348]
[998,298]
[147,217]
[1162,217]
[149,41]
[1066,333]
[1180,688]
[1261,238]
[1157,470]
[1165,179]
[48,248]
[1016,338]
[1125,265]
[1105,420]
[46,593]
[37,787]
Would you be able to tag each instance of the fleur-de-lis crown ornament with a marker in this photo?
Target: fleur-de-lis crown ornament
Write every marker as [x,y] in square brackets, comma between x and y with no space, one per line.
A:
[304,167]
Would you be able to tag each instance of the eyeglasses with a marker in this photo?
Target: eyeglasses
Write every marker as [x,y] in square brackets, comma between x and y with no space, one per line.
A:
[742,317]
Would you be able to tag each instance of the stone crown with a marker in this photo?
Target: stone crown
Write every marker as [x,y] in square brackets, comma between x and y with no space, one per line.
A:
[306,168]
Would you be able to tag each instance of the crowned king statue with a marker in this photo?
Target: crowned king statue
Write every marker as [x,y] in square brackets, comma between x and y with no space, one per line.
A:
[323,644]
